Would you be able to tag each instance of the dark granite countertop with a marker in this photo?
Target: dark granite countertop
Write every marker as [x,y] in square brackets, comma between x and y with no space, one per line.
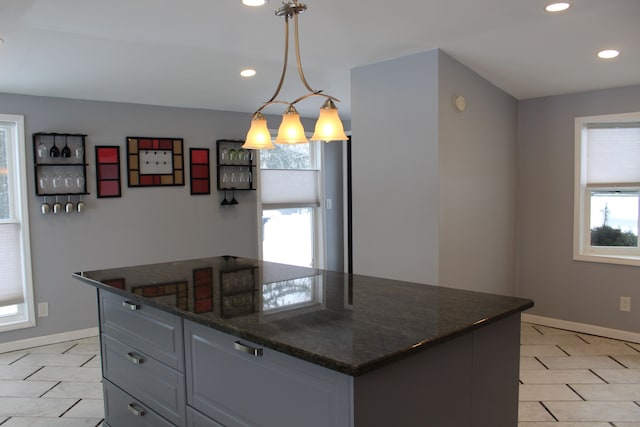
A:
[348,323]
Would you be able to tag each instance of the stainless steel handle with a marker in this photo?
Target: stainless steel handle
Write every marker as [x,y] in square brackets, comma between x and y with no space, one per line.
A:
[136,360]
[135,411]
[130,305]
[255,351]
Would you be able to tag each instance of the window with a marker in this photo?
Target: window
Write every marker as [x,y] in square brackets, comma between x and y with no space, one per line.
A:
[607,189]
[16,301]
[290,197]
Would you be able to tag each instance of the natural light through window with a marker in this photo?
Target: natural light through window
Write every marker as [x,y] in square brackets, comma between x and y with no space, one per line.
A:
[607,189]
[290,198]
[16,294]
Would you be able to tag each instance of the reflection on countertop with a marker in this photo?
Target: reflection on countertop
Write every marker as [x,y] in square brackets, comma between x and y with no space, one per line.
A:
[349,323]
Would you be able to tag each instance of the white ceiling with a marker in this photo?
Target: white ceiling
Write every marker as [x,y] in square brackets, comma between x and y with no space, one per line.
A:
[188,53]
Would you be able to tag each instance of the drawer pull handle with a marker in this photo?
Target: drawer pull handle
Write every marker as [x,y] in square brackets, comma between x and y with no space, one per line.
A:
[130,305]
[136,360]
[135,411]
[255,351]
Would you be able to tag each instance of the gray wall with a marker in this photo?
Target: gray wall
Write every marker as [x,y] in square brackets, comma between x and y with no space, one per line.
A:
[394,123]
[433,189]
[477,182]
[333,178]
[582,292]
[146,225]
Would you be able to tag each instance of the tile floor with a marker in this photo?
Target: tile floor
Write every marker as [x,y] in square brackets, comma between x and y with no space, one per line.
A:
[53,385]
[567,379]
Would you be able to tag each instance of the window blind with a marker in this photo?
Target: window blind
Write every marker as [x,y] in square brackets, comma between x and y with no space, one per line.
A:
[613,154]
[11,291]
[289,186]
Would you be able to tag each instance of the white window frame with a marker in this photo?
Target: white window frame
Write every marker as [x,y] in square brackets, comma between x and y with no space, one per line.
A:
[20,214]
[582,249]
[319,256]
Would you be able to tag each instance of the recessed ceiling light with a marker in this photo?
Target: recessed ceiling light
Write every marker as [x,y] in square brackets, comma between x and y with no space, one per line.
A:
[254,2]
[249,72]
[608,53]
[557,7]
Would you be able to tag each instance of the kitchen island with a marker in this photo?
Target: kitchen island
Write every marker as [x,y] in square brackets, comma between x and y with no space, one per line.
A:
[230,341]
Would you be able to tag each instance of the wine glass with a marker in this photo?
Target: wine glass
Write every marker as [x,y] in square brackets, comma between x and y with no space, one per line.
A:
[54,151]
[42,149]
[66,151]
[225,201]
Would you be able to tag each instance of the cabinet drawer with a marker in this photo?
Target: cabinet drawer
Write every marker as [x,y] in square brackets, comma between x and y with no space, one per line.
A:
[123,410]
[272,390]
[196,419]
[157,333]
[159,387]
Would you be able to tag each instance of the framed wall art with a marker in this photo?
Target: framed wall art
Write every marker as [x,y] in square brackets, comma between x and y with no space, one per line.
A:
[200,175]
[153,162]
[108,171]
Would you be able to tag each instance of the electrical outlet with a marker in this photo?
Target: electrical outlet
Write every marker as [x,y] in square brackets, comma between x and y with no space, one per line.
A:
[43,309]
[625,303]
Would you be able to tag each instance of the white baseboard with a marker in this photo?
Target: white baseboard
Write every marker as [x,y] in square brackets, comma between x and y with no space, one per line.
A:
[582,327]
[48,339]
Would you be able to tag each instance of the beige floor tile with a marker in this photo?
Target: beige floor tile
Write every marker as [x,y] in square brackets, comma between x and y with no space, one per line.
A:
[19,388]
[579,362]
[85,348]
[530,363]
[48,359]
[34,407]
[559,376]
[540,350]
[595,411]
[635,345]
[609,392]
[546,330]
[628,424]
[65,373]
[90,340]
[52,348]
[594,339]
[551,339]
[94,362]
[86,408]
[540,392]
[8,358]
[619,376]
[533,411]
[630,361]
[51,422]
[528,329]
[79,390]
[564,424]
[598,349]
[11,372]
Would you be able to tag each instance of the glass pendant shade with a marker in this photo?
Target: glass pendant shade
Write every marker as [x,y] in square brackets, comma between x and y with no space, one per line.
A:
[258,137]
[291,130]
[329,126]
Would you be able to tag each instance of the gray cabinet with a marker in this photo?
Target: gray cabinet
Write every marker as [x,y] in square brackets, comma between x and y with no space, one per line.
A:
[142,364]
[142,376]
[157,332]
[196,419]
[236,383]
[122,409]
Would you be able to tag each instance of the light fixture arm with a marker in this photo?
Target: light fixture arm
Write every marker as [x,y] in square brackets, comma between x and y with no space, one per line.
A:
[328,126]
[299,62]
[292,9]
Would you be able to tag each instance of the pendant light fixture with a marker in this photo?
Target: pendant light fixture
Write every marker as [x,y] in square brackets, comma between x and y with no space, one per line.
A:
[328,127]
